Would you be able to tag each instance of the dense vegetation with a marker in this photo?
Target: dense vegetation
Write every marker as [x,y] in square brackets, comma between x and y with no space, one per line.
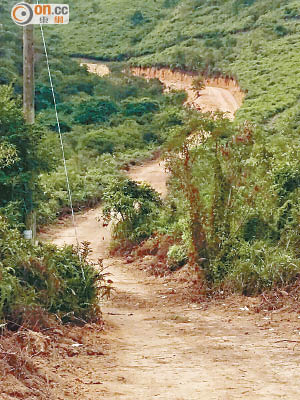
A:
[40,279]
[233,207]
[35,279]
[107,124]
[248,227]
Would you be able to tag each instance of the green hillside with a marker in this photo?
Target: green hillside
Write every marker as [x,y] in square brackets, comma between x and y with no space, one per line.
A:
[256,41]
[234,202]
[107,124]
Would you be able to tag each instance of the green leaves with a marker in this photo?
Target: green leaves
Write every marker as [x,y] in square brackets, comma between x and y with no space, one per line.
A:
[45,276]
[132,207]
[8,155]
[95,110]
[239,202]
[20,161]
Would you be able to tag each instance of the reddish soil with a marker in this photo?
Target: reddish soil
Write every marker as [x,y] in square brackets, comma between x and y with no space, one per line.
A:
[218,94]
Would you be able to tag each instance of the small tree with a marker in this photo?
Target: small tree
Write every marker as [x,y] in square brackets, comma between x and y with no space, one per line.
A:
[209,174]
[95,111]
[20,160]
[137,18]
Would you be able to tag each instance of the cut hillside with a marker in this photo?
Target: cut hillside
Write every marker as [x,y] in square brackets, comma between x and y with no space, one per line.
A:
[216,94]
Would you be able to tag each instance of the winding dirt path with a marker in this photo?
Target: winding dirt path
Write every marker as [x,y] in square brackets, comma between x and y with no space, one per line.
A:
[160,345]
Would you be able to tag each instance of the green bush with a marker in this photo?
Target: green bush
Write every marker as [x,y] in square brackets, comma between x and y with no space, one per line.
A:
[18,178]
[94,111]
[233,205]
[170,3]
[139,108]
[44,276]
[287,180]
[137,18]
[256,228]
[133,208]
[177,256]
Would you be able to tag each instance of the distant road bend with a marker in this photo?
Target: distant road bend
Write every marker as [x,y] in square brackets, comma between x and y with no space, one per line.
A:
[219,94]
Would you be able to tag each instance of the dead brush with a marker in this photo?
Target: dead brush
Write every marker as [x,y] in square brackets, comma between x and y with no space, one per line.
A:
[287,297]
[20,373]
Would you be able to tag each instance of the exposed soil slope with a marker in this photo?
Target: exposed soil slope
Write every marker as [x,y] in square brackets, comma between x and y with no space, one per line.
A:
[96,67]
[219,94]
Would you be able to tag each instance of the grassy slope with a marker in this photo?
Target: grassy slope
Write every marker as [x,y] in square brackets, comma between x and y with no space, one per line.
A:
[257,41]
[10,46]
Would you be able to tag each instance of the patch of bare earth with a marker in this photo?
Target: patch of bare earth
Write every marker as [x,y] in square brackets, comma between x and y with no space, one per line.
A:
[218,94]
[49,363]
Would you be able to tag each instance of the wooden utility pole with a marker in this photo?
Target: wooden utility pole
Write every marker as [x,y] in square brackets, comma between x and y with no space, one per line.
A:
[28,100]
[28,74]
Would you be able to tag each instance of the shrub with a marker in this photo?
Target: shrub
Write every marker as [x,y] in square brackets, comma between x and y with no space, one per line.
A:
[281,30]
[17,178]
[287,180]
[133,207]
[44,97]
[95,110]
[56,280]
[177,256]
[256,228]
[139,108]
[100,142]
[137,18]
[170,3]
[259,266]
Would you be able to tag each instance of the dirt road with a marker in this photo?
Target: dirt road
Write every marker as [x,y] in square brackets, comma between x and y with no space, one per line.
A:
[91,229]
[160,345]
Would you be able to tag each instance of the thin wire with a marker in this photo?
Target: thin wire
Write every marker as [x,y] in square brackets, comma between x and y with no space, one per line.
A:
[61,142]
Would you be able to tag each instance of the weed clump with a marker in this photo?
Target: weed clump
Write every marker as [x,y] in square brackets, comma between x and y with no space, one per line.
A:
[46,278]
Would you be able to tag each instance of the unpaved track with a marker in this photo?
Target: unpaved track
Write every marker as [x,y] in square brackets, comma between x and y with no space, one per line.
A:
[161,347]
